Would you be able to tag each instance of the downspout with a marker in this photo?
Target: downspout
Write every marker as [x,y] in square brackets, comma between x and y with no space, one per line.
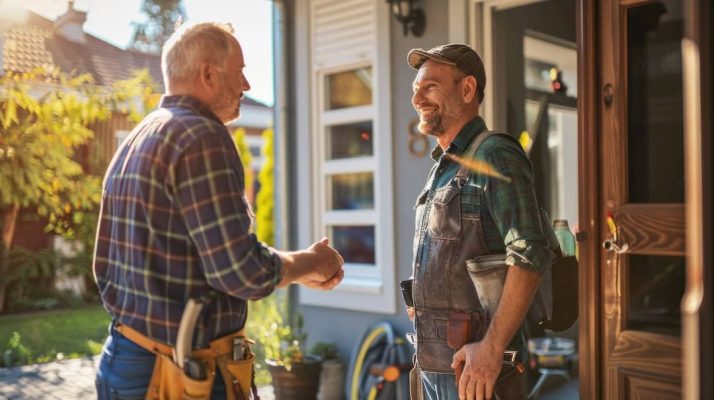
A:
[282,121]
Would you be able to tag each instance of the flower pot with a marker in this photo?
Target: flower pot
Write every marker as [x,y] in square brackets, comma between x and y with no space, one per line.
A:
[332,380]
[300,383]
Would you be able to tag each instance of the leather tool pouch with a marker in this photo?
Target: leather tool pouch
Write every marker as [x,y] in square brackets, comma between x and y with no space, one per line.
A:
[465,327]
[168,381]
[238,375]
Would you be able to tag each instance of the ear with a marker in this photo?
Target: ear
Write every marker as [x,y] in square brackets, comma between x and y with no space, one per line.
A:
[208,76]
[468,89]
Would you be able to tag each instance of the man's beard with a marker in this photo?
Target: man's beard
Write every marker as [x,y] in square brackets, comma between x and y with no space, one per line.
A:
[433,127]
[222,106]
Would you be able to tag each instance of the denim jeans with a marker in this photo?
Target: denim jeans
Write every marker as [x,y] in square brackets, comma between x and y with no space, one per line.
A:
[509,386]
[125,370]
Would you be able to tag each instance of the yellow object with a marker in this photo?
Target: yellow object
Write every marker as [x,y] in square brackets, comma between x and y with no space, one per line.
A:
[168,381]
[354,395]
[526,141]
[481,167]
[612,227]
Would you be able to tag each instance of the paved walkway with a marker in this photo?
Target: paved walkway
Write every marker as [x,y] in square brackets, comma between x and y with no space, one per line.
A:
[62,380]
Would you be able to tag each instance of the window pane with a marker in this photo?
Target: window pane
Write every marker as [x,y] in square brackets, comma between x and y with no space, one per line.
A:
[351,191]
[355,243]
[656,286]
[349,88]
[349,140]
[655,115]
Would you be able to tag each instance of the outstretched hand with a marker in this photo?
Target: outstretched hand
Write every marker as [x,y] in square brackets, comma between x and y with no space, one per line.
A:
[321,266]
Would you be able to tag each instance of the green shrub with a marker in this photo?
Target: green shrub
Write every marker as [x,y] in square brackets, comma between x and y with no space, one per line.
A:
[16,353]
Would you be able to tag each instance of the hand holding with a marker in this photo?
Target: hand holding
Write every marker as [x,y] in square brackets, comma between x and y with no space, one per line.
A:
[481,364]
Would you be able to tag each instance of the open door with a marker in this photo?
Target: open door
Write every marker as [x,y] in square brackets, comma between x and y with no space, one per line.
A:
[640,211]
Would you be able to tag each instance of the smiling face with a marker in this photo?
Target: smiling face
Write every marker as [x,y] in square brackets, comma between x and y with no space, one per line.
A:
[437,97]
[226,104]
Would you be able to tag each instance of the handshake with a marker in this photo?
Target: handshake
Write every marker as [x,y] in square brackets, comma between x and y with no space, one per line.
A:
[318,267]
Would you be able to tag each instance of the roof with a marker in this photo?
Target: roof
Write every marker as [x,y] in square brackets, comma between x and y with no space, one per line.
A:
[35,43]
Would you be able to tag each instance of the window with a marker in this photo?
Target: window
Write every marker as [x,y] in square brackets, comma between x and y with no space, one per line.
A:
[351,141]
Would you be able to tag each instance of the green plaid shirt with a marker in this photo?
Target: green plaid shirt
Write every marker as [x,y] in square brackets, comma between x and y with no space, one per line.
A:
[510,216]
[174,224]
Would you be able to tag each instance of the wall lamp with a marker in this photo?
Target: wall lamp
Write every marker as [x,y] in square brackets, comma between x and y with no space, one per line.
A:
[412,18]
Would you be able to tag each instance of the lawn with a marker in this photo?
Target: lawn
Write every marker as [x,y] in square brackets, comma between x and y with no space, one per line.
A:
[74,333]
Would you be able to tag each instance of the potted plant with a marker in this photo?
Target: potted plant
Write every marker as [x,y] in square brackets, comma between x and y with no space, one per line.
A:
[332,377]
[295,375]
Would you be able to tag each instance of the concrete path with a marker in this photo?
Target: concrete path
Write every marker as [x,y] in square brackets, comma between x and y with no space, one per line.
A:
[61,380]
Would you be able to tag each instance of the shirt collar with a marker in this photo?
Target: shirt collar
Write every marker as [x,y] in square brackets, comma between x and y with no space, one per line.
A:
[462,140]
[188,102]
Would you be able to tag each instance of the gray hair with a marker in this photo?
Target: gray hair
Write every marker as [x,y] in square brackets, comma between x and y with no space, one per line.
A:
[193,44]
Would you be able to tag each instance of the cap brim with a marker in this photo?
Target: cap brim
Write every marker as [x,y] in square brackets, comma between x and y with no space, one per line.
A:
[416,58]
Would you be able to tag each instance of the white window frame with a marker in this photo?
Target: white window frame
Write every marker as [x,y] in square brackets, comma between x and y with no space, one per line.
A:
[365,288]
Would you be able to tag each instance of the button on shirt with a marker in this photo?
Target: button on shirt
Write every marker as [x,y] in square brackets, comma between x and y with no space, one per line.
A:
[174,224]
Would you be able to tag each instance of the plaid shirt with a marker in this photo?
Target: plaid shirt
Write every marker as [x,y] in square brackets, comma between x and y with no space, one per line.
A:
[510,216]
[174,224]
[509,211]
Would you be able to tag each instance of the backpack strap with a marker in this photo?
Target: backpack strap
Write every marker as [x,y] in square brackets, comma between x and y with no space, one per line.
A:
[463,173]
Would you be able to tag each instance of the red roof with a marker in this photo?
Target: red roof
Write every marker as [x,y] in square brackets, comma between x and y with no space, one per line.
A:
[36,43]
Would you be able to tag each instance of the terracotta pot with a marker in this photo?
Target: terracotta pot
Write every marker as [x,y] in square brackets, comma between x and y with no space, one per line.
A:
[300,383]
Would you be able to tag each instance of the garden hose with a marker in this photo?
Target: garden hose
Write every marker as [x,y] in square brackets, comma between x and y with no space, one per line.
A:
[359,361]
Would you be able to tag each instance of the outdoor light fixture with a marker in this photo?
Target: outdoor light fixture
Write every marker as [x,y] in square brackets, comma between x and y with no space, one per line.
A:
[412,18]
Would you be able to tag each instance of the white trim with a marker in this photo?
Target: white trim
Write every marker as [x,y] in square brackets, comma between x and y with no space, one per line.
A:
[480,15]
[366,287]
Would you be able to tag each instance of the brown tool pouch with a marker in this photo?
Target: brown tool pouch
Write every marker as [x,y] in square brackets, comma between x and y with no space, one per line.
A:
[169,382]
[464,327]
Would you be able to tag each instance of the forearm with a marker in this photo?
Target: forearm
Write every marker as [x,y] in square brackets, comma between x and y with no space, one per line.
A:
[518,292]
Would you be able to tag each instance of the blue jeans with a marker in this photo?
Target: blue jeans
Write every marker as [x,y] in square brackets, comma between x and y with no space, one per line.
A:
[509,386]
[125,370]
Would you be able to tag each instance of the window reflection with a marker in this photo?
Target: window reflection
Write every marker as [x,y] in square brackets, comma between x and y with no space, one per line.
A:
[349,88]
[355,243]
[656,286]
[351,191]
[349,140]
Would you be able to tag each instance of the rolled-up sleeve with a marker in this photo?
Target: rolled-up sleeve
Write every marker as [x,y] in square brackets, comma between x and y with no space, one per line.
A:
[513,205]
[209,192]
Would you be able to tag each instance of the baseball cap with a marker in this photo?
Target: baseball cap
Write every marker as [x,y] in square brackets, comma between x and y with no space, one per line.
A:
[459,55]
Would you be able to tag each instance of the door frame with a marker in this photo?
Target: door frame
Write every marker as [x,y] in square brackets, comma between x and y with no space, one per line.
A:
[589,209]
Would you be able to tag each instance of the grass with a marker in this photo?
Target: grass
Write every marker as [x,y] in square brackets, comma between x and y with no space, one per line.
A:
[74,333]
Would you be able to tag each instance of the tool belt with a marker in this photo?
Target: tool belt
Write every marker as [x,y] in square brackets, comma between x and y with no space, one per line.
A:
[169,382]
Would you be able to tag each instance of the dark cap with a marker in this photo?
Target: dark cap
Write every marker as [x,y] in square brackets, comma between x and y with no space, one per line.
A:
[459,55]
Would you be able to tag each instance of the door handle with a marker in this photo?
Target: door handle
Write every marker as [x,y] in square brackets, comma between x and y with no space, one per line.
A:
[612,246]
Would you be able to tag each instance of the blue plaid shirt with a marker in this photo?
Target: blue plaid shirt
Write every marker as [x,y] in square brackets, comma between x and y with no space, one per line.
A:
[174,224]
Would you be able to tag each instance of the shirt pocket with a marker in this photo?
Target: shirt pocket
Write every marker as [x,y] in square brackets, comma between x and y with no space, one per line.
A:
[445,217]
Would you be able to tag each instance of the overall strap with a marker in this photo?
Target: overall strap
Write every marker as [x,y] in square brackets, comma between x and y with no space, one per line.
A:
[463,173]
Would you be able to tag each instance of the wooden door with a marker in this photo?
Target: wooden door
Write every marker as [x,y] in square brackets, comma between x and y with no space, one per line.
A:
[641,190]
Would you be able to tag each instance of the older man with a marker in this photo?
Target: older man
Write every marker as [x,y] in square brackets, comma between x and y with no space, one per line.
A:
[174,224]
[467,219]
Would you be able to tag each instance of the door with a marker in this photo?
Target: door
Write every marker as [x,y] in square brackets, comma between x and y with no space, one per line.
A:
[640,214]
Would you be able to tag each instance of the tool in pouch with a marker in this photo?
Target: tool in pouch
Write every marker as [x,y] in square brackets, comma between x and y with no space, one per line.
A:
[191,366]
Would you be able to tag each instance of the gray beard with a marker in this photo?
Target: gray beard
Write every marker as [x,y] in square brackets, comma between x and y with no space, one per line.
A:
[434,127]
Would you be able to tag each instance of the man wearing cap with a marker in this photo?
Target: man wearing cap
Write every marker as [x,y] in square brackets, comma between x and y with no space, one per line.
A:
[461,216]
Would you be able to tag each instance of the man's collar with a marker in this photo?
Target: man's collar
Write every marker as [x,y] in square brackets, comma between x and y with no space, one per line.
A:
[189,102]
[462,139]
